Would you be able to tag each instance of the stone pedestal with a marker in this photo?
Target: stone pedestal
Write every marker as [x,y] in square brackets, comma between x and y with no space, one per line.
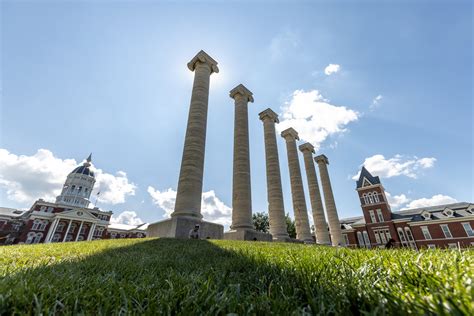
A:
[180,226]
[303,230]
[244,234]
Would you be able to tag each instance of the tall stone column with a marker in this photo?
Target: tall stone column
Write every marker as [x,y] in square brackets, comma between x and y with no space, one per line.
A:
[303,230]
[331,211]
[276,208]
[188,197]
[322,234]
[241,188]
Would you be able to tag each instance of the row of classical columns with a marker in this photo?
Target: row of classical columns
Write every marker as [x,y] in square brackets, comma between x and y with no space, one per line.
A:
[188,198]
[54,226]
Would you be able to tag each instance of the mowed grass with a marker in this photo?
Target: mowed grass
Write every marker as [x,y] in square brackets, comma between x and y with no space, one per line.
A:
[190,277]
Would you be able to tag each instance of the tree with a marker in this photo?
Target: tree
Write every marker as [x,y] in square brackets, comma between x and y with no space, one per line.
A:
[290,226]
[261,222]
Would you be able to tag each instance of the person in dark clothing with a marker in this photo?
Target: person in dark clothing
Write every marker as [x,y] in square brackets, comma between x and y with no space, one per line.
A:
[390,243]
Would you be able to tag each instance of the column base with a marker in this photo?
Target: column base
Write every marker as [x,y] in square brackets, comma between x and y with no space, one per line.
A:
[247,234]
[180,226]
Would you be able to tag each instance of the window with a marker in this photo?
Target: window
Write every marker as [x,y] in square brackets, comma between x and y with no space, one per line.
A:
[113,234]
[468,229]
[426,215]
[73,227]
[60,227]
[426,232]
[377,237]
[431,246]
[380,215]
[36,224]
[139,235]
[402,237]
[43,208]
[346,239]
[34,238]
[376,197]
[411,241]
[360,239]
[372,216]
[366,200]
[366,238]
[80,238]
[16,226]
[371,198]
[56,237]
[83,230]
[446,231]
[122,235]
[50,209]
[452,246]
[99,231]
[69,237]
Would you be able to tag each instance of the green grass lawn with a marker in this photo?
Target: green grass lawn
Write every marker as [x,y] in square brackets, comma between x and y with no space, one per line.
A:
[189,277]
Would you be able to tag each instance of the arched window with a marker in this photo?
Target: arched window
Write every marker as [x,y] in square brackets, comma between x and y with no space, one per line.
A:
[366,200]
[366,238]
[56,237]
[36,224]
[376,197]
[30,237]
[73,188]
[69,237]
[60,227]
[37,238]
[371,198]
[80,238]
[360,239]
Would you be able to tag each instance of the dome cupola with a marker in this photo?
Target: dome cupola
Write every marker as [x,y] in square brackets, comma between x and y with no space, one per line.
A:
[78,186]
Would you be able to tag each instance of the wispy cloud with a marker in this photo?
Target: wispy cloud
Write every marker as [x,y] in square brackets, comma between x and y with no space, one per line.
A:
[314,118]
[283,44]
[332,69]
[376,102]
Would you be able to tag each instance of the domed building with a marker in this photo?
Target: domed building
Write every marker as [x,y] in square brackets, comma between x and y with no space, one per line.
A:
[70,218]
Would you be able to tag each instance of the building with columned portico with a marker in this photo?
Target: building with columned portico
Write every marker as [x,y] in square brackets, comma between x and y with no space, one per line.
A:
[69,218]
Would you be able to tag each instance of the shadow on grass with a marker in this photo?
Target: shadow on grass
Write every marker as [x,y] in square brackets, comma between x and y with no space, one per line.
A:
[188,277]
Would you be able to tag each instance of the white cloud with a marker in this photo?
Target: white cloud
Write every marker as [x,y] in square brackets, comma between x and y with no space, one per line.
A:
[283,43]
[314,118]
[376,102]
[438,199]
[332,69]
[212,208]
[396,201]
[42,175]
[128,218]
[377,165]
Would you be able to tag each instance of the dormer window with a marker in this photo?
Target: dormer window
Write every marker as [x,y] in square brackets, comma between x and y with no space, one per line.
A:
[426,215]
[448,212]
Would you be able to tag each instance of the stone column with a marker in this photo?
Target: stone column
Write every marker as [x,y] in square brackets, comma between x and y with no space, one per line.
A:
[321,228]
[276,208]
[67,230]
[51,230]
[241,190]
[303,230]
[333,218]
[188,197]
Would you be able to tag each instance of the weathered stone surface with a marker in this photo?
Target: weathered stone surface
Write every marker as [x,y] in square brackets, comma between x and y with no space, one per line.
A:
[276,209]
[244,234]
[188,197]
[180,226]
[299,203]
[322,233]
[241,188]
[331,211]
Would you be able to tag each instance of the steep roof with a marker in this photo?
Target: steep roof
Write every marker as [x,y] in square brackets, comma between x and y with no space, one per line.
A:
[365,174]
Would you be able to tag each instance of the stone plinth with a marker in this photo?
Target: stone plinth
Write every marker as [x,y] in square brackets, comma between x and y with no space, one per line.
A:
[179,227]
[244,234]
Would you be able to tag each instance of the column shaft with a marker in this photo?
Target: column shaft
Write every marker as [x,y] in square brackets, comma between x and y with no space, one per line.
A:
[321,228]
[276,208]
[299,203]
[333,218]
[241,187]
[188,197]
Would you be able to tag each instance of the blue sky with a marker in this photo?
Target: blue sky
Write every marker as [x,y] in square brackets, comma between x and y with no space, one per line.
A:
[110,77]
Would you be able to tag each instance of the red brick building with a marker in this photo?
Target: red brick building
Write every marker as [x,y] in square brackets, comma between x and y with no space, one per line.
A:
[68,219]
[443,226]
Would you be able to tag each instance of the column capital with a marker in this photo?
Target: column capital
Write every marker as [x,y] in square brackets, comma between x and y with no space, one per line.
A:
[203,57]
[268,114]
[243,91]
[306,147]
[290,134]
[321,158]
